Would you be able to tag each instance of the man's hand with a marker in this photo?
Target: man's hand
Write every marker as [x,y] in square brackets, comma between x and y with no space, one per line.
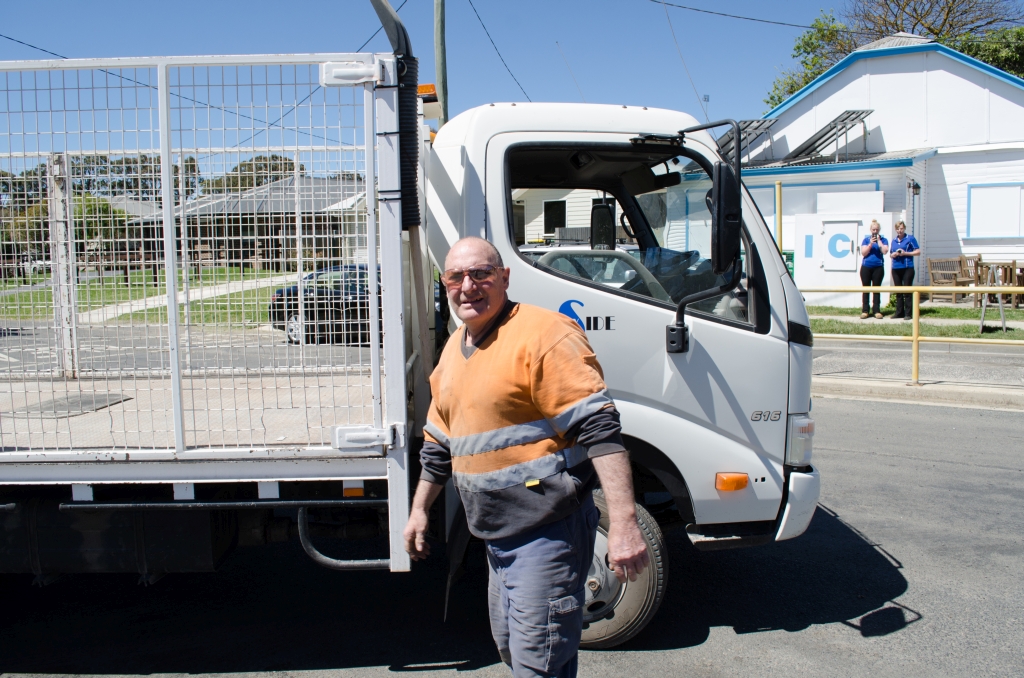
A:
[627,550]
[416,535]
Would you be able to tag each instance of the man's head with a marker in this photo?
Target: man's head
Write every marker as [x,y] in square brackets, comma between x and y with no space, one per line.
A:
[476,282]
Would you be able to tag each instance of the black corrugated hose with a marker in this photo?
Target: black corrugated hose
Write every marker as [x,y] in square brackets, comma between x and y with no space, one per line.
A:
[409,139]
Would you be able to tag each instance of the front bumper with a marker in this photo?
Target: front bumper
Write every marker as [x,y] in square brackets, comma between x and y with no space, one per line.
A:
[804,490]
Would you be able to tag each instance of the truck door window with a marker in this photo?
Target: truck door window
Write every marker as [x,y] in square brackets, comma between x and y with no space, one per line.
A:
[668,259]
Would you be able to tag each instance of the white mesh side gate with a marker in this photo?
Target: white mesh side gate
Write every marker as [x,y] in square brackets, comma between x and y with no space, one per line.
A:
[188,256]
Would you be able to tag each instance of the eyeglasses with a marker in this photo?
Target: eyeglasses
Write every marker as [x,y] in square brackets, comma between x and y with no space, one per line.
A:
[453,277]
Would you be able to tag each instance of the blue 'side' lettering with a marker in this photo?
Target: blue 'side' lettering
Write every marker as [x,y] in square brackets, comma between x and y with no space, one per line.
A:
[590,323]
[567,309]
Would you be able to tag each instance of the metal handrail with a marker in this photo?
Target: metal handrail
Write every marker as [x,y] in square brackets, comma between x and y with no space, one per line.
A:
[916,337]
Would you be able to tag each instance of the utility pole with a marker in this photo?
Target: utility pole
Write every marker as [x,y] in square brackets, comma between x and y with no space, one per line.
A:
[440,62]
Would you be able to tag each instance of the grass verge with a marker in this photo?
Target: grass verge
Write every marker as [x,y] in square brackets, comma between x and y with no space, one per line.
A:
[952,313]
[241,308]
[905,329]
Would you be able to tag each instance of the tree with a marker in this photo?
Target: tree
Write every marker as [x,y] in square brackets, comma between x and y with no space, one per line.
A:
[262,169]
[97,219]
[818,49]
[939,19]
[1003,49]
[980,28]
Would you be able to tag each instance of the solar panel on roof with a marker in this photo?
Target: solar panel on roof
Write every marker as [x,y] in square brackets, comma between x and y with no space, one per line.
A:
[750,130]
[829,134]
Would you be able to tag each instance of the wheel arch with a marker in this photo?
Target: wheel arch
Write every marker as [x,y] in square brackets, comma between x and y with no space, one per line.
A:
[654,461]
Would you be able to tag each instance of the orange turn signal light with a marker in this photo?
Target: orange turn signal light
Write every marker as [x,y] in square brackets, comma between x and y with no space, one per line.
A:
[730,482]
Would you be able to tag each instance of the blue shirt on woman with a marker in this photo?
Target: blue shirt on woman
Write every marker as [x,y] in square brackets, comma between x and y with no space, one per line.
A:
[874,257]
[907,244]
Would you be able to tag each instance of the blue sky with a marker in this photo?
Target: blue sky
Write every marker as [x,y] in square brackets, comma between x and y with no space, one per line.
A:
[620,51]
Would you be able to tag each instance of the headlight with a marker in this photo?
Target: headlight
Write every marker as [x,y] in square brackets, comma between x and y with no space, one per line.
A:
[800,441]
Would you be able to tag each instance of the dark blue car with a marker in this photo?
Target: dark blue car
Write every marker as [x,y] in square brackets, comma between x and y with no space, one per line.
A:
[336,307]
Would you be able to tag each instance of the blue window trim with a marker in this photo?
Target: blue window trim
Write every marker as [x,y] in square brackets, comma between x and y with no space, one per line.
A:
[887,52]
[995,184]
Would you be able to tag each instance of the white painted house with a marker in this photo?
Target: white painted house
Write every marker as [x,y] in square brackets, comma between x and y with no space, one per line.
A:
[939,134]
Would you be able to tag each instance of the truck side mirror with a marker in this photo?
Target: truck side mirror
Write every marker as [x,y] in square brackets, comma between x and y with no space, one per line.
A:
[602,228]
[726,205]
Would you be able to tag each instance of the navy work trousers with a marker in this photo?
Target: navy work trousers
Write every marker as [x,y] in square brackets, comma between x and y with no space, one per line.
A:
[903,277]
[536,595]
[871,277]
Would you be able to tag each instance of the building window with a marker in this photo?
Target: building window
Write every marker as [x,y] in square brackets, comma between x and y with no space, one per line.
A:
[554,216]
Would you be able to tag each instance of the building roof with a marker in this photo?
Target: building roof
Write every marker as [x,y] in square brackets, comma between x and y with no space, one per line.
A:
[828,163]
[900,39]
[134,208]
[316,194]
[868,52]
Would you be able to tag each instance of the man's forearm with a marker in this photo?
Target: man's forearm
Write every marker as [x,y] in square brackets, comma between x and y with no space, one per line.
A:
[617,482]
[426,493]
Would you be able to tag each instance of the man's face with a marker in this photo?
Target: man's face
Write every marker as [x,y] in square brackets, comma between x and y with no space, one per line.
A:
[475,302]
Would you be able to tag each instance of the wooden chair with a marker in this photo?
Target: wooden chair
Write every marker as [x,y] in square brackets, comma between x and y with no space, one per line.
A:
[942,272]
[970,267]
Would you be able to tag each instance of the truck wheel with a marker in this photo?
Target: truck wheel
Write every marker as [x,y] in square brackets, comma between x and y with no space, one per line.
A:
[613,612]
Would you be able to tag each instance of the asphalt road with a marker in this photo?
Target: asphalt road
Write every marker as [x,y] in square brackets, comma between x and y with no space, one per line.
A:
[911,567]
[942,363]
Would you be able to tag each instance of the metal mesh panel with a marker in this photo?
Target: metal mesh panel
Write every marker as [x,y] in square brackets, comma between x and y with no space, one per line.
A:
[270,259]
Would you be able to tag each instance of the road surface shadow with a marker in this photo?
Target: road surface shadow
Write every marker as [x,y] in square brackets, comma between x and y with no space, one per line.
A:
[272,609]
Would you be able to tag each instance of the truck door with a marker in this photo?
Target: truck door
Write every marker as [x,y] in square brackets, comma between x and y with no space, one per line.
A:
[721,406]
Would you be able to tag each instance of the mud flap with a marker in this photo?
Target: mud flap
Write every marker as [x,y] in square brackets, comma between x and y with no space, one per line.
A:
[458,540]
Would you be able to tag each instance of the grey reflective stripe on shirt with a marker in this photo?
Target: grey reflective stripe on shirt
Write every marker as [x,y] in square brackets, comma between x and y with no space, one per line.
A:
[517,474]
[581,410]
[517,434]
[431,428]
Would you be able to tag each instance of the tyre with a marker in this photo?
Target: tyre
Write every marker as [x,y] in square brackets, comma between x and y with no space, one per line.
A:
[293,328]
[615,612]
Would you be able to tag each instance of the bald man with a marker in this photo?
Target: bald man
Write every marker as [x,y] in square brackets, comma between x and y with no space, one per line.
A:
[522,420]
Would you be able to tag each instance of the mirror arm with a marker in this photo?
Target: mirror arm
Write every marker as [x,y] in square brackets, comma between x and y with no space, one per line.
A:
[735,136]
[677,337]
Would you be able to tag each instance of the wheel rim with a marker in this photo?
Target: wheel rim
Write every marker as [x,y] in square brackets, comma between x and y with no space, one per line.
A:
[293,328]
[603,590]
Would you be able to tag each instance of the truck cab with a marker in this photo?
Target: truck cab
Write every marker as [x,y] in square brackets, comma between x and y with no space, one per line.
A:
[719,433]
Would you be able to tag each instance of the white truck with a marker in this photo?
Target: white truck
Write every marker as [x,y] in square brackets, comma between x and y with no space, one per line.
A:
[151,422]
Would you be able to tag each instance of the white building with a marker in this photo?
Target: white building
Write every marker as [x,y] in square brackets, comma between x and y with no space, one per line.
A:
[939,134]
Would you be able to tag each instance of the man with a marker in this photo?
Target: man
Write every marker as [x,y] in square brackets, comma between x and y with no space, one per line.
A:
[521,417]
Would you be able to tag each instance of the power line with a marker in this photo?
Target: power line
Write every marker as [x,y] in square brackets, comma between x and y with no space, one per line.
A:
[45,51]
[570,71]
[730,16]
[789,25]
[496,50]
[680,51]
[202,103]
[360,48]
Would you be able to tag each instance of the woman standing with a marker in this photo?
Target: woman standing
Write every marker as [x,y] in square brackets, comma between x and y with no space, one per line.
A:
[872,267]
[904,249]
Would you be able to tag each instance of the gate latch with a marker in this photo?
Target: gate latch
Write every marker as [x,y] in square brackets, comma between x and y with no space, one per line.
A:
[363,437]
[360,437]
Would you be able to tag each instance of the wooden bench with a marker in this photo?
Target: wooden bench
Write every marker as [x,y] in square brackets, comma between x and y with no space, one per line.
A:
[942,272]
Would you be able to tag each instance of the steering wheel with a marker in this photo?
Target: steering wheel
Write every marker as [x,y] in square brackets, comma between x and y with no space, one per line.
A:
[657,291]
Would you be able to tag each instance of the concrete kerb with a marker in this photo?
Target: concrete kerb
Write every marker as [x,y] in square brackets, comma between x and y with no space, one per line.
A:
[934,393]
